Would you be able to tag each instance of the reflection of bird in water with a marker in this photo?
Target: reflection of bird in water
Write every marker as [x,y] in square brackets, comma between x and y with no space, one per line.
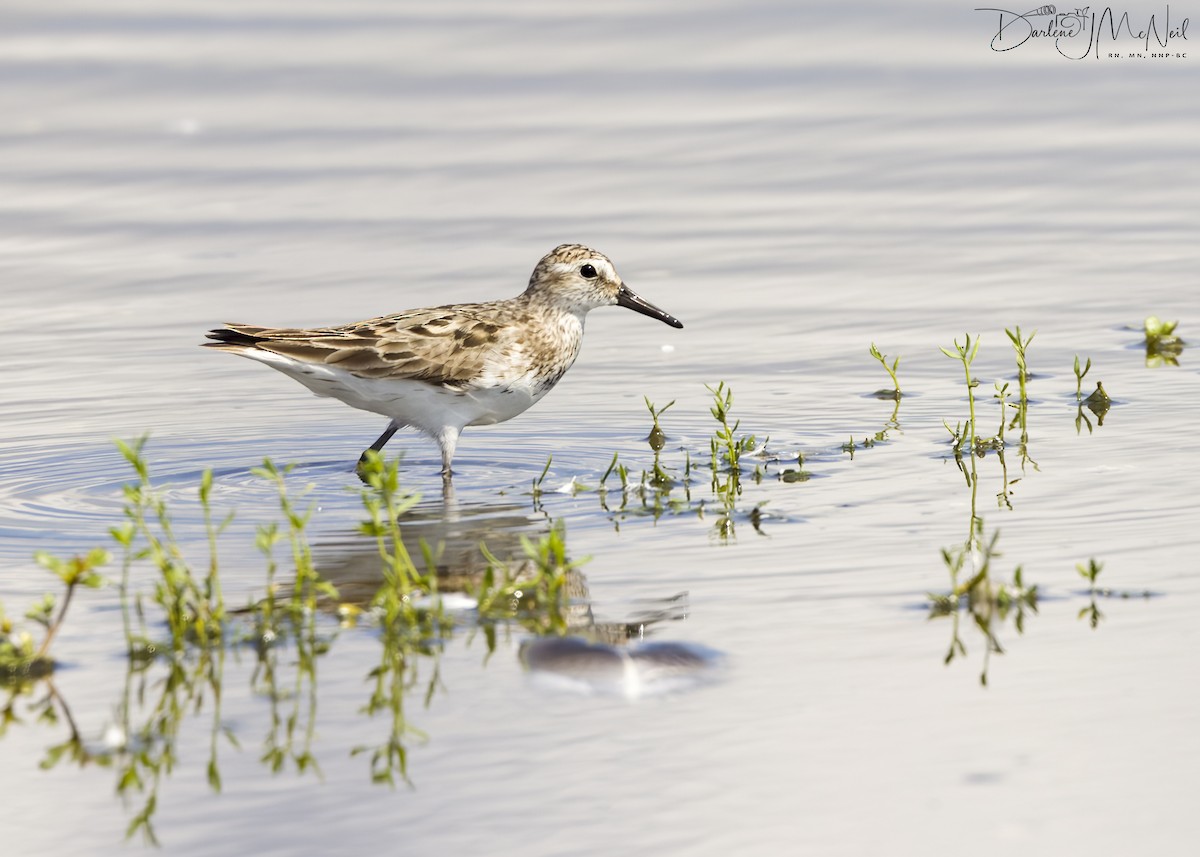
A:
[632,671]
[456,536]
[452,532]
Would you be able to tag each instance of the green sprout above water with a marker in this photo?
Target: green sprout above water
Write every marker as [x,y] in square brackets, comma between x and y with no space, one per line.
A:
[893,393]
[409,631]
[964,436]
[1090,572]
[1001,396]
[1163,347]
[965,354]
[893,422]
[1098,402]
[540,478]
[307,584]
[657,439]
[21,656]
[385,503]
[651,492]
[192,603]
[725,443]
[1020,345]
[1080,374]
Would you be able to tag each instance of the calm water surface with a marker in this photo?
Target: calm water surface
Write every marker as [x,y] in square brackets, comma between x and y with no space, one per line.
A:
[794,183]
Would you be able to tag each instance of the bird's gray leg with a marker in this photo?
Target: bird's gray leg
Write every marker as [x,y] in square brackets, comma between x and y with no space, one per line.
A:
[392,428]
[447,439]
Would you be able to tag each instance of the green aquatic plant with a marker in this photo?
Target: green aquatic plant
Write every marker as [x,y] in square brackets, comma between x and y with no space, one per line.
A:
[1079,376]
[1156,328]
[660,480]
[146,751]
[137,645]
[163,693]
[540,478]
[1099,399]
[1003,496]
[74,572]
[266,536]
[1090,572]
[292,705]
[726,481]
[997,444]
[893,393]
[535,592]
[965,354]
[1099,403]
[964,436]
[20,655]
[987,602]
[385,503]
[192,604]
[612,465]
[212,579]
[1163,347]
[408,631]
[602,488]
[797,473]
[657,438]
[974,590]
[392,680]
[648,492]
[1020,346]
[1001,396]
[725,442]
[307,585]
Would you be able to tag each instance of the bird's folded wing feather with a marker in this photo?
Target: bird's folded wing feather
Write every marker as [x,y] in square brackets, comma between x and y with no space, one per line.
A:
[433,345]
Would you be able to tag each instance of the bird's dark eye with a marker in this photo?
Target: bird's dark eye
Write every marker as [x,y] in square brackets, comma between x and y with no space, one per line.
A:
[588,272]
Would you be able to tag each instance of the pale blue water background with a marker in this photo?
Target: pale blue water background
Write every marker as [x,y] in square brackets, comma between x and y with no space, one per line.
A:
[794,182]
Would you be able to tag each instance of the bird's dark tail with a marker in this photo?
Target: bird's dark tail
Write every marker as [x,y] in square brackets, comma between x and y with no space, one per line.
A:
[234,336]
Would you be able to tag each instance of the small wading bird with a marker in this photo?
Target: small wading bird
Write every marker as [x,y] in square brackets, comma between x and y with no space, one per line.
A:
[444,368]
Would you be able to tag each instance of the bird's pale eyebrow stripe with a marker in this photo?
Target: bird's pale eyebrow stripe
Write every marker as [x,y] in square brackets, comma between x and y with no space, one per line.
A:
[605,269]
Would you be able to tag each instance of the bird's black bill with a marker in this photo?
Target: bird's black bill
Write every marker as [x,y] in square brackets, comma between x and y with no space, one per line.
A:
[629,300]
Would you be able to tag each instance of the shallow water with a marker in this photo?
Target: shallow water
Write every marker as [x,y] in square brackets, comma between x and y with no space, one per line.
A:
[794,184]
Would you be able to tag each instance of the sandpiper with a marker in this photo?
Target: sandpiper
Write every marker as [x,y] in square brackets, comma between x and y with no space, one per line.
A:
[443,368]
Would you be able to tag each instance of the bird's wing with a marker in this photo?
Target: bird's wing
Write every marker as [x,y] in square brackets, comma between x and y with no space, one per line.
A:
[442,345]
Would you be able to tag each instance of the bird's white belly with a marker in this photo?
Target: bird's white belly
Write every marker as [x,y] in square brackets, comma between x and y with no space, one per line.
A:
[415,403]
